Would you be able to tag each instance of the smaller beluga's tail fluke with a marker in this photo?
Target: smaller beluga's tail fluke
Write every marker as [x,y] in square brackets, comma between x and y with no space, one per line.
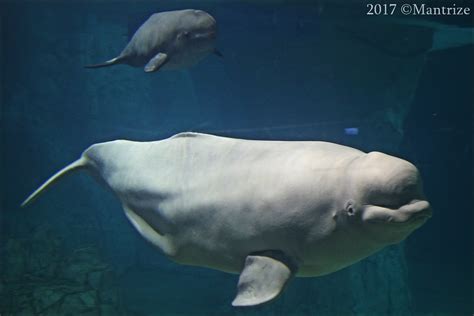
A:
[78,164]
[111,62]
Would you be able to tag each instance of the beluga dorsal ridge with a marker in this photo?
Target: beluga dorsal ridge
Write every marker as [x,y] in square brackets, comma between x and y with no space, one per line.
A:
[267,210]
[169,40]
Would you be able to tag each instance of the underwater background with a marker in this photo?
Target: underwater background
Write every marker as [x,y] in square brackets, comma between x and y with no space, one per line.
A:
[291,70]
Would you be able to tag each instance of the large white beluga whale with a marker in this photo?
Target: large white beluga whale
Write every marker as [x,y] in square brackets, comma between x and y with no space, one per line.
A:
[267,210]
[169,40]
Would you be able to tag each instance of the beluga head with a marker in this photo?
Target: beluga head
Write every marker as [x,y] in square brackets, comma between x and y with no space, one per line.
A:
[384,199]
[197,31]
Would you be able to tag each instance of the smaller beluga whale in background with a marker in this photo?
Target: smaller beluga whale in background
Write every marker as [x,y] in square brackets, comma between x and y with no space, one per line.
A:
[169,40]
[269,210]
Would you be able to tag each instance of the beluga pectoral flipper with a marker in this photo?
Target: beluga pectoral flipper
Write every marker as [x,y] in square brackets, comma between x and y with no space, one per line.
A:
[263,278]
[169,40]
[156,62]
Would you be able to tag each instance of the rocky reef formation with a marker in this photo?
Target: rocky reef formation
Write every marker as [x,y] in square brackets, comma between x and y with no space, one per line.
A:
[40,278]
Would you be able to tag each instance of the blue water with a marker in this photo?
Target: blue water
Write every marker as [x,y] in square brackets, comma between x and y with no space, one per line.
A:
[305,71]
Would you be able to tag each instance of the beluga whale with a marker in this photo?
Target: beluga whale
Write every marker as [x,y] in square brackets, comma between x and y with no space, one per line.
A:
[169,40]
[267,210]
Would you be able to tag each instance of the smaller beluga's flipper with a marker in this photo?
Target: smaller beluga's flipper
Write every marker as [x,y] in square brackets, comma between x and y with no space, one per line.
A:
[156,62]
[263,278]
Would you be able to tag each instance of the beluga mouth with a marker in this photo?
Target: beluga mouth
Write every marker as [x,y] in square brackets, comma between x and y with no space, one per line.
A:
[407,214]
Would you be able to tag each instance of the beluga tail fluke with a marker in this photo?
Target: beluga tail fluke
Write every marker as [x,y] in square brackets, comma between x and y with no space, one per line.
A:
[78,164]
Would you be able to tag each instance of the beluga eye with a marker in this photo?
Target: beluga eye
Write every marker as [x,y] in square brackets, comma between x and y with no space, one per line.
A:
[350,210]
[184,34]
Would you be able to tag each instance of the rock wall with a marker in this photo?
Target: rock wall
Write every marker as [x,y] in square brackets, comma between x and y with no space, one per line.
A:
[40,278]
